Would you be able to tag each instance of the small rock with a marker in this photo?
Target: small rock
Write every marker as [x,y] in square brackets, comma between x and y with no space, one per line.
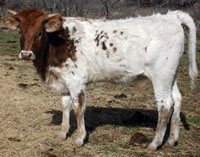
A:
[35,79]
[23,85]
[120,96]
[48,154]
[14,139]
[138,139]
[11,68]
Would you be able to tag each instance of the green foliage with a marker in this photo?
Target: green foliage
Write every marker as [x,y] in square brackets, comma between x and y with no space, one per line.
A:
[196,121]
[111,150]
[9,42]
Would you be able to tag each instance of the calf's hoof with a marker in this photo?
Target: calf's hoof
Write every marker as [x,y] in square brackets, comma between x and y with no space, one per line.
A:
[61,136]
[170,144]
[150,149]
[167,145]
[78,143]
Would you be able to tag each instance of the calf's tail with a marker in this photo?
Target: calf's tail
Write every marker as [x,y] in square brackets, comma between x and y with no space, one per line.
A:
[187,20]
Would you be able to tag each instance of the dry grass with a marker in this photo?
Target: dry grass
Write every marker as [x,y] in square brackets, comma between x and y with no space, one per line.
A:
[30,114]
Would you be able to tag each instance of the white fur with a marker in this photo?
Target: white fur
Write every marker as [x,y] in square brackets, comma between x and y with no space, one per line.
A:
[151,46]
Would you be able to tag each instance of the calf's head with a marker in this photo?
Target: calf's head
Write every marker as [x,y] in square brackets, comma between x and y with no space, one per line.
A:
[33,26]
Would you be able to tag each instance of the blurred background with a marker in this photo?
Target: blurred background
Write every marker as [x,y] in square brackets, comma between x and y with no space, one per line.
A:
[108,9]
[103,8]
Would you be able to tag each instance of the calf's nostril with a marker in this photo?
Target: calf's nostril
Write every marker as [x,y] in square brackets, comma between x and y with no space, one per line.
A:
[29,56]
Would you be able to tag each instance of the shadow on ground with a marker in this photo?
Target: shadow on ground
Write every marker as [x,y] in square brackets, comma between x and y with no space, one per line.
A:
[98,116]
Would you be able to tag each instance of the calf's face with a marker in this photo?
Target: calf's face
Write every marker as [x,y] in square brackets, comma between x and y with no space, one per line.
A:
[33,26]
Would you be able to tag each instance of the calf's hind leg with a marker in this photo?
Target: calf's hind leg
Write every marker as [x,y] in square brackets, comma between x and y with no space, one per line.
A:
[162,91]
[175,120]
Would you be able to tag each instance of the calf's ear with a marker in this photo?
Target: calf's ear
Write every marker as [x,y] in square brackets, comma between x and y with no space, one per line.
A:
[53,23]
[11,22]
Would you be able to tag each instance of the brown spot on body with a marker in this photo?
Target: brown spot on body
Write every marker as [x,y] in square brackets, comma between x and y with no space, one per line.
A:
[114,49]
[101,36]
[106,36]
[61,48]
[107,55]
[74,30]
[104,46]
[145,49]
[115,31]
[111,44]
[97,39]
[121,32]
[81,98]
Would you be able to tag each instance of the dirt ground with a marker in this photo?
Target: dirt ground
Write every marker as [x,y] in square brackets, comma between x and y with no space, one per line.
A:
[30,114]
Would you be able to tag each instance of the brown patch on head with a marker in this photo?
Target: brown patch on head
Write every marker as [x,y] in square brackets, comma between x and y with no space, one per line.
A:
[115,31]
[50,49]
[31,26]
[104,46]
[114,49]
[111,44]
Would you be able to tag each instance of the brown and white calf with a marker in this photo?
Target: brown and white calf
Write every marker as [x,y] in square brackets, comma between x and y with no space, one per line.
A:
[69,53]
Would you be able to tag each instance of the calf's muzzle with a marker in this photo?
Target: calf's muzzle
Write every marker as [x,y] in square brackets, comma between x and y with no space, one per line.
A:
[28,55]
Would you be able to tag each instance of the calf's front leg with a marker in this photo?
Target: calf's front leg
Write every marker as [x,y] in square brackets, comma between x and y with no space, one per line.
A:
[65,125]
[78,104]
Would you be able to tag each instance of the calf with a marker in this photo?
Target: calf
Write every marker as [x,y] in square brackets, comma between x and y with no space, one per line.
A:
[69,53]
